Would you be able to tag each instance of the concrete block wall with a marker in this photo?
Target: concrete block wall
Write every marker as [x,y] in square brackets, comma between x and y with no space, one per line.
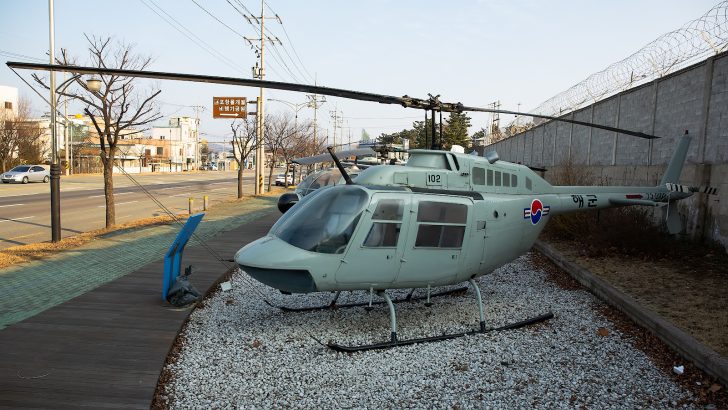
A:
[694,99]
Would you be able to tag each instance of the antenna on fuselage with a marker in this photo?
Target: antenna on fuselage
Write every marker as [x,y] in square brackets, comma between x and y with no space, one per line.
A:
[341,167]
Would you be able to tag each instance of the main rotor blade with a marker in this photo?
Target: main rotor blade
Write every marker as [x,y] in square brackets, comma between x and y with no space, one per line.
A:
[405,101]
[562,119]
[313,89]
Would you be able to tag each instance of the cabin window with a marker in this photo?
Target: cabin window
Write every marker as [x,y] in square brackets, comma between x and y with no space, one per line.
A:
[385,234]
[442,212]
[478,176]
[444,227]
[497,178]
[389,210]
[490,177]
[514,180]
[382,235]
[506,179]
[528,183]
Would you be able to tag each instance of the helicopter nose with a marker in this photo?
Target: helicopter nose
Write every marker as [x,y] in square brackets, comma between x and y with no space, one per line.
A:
[277,264]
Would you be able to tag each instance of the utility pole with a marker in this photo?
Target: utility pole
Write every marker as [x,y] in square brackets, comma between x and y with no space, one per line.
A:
[197,109]
[315,102]
[495,120]
[338,122]
[259,73]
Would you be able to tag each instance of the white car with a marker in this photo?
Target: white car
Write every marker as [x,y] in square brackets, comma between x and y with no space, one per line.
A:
[26,173]
[282,180]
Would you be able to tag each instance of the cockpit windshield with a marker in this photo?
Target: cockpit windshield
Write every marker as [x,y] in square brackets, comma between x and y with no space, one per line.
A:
[325,222]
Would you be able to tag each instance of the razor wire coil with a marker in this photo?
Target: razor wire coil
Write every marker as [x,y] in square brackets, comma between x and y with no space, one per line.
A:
[694,41]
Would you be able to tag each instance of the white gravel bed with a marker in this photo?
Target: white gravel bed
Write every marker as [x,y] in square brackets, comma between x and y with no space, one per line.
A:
[239,352]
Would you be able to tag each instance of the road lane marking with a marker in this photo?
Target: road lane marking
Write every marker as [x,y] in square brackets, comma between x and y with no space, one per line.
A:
[218,183]
[120,203]
[16,219]
[100,196]
[218,189]
[4,206]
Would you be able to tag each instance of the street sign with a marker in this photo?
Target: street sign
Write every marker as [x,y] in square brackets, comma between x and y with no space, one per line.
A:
[229,107]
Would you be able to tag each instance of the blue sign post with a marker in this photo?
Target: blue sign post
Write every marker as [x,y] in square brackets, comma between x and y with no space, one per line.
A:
[173,257]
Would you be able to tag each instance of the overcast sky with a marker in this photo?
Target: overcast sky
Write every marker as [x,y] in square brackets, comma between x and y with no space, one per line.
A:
[471,51]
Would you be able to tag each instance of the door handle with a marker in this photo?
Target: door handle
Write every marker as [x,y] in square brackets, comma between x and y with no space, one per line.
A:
[403,260]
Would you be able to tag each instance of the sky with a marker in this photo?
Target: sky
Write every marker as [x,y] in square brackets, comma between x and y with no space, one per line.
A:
[473,51]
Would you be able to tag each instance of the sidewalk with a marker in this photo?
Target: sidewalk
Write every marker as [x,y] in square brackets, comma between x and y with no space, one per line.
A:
[89,328]
[32,288]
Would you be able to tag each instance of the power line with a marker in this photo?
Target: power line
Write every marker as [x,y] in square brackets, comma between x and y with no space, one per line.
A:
[220,21]
[20,56]
[209,49]
[277,56]
[291,43]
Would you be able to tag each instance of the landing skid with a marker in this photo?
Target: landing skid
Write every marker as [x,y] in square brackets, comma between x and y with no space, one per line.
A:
[408,298]
[394,342]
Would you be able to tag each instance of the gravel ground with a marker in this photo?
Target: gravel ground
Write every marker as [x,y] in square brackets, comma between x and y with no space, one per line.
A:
[239,352]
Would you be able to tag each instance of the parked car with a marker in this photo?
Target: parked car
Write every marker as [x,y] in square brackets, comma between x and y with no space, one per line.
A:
[26,173]
[282,180]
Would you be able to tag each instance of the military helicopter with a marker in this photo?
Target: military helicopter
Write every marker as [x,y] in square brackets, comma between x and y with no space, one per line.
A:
[442,219]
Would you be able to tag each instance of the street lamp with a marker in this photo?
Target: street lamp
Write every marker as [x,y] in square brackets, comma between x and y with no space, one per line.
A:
[295,107]
[93,84]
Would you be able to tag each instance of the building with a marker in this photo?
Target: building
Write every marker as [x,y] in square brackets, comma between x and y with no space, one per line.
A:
[182,136]
[8,100]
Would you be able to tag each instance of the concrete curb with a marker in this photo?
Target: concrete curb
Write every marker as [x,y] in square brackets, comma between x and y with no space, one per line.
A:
[702,356]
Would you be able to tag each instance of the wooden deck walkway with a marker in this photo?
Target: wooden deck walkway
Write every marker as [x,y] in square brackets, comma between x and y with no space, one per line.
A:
[106,348]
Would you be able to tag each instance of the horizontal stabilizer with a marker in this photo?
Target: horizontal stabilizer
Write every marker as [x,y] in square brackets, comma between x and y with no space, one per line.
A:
[709,190]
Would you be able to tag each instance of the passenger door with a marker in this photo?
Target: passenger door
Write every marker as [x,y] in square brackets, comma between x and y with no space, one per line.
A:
[37,173]
[433,249]
[373,256]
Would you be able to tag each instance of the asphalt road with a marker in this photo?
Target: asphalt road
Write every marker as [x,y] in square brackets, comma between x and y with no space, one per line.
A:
[25,209]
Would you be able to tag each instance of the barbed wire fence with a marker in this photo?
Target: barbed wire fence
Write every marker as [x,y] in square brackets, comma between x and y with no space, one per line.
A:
[693,42]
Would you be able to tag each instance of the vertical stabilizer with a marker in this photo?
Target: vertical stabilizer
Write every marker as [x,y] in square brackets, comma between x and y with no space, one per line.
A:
[674,168]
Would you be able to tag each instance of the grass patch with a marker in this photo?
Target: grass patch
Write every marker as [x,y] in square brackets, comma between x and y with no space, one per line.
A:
[37,251]
[630,230]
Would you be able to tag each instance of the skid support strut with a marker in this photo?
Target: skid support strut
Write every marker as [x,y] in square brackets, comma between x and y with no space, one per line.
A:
[392,315]
[394,341]
[480,304]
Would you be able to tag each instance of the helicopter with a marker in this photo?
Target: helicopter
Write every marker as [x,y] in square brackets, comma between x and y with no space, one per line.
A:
[442,219]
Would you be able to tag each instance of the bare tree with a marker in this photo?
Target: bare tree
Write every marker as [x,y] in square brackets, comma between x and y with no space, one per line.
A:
[118,106]
[282,141]
[244,142]
[20,138]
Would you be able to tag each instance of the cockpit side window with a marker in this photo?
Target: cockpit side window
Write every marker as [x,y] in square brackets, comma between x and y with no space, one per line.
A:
[326,222]
[386,224]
